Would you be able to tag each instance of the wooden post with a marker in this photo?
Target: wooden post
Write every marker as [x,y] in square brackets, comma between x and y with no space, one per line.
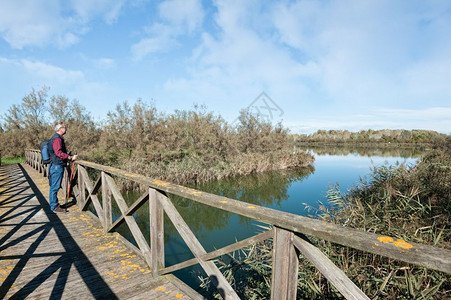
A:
[81,188]
[64,181]
[285,266]
[130,220]
[156,214]
[106,204]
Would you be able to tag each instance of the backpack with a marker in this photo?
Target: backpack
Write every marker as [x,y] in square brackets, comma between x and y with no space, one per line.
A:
[45,151]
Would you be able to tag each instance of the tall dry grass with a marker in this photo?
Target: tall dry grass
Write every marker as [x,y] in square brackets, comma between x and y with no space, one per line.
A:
[193,146]
[412,203]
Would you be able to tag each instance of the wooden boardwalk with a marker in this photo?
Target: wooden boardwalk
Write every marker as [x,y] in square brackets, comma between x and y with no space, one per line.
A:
[66,256]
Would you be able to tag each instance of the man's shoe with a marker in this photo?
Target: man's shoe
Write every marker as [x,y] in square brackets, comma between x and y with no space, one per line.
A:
[59,209]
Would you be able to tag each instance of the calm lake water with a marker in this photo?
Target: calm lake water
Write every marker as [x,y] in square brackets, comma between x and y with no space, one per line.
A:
[287,191]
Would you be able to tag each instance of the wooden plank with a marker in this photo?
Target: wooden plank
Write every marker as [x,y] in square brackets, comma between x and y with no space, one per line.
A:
[219,252]
[184,287]
[81,198]
[129,245]
[74,187]
[334,274]
[131,222]
[285,266]
[64,181]
[215,275]
[91,197]
[74,180]
[156,214]
[106,204]
[428,256]
[34,161]
[66,258]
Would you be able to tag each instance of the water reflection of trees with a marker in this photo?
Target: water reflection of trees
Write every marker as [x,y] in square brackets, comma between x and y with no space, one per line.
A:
[265,189]
[387,151]
[262,189]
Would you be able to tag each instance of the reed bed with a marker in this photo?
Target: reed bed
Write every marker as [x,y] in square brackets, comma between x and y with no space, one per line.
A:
[409,202]
[194,146]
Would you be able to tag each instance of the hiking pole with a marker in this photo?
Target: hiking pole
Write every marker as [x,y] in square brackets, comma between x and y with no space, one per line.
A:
[69,184]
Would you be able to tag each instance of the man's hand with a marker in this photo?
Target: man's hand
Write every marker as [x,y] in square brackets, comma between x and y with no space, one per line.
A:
[74,157]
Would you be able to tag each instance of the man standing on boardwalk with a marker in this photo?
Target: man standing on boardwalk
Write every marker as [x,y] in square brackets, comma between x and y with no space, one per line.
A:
[59,158]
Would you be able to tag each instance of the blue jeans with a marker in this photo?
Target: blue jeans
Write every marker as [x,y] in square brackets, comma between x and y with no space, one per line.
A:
[55,178]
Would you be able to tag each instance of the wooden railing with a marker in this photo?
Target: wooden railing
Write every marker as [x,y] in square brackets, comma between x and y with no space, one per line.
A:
[288,232]
[34,159]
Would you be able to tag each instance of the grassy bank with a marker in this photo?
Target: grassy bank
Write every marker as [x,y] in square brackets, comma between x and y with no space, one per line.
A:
[12,160]
[411,203]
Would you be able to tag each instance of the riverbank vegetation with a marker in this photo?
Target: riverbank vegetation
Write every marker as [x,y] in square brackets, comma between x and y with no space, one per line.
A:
[181,147]
[12,160]
[370,137]
[407,202]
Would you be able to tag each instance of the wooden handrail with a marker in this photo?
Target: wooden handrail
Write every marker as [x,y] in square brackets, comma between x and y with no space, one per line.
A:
[288,233]
[419,254]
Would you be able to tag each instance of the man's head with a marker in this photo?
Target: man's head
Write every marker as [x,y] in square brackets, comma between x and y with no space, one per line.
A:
[60,128]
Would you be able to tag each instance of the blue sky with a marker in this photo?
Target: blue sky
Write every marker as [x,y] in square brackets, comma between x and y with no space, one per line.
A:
[345,64]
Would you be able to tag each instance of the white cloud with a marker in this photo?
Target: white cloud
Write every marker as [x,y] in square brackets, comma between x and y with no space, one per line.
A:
[426,113]
[105,63]
[28,22]
[182,13]
[102,63]
[431,118]
[42,71]
[429,79]
[89,9]
[20,75]
[51,73]
[177,18]
[337,57]
[161,40]
[365,47]
[41,22]
[240,60]
[298,23]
